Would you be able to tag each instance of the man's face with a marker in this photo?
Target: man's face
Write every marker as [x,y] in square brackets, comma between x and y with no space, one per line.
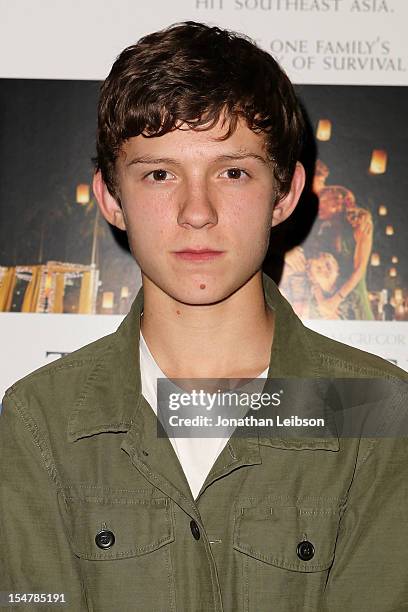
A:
[186,191]
[330,204]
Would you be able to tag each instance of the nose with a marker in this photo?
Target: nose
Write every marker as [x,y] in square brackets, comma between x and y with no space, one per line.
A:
[197,209]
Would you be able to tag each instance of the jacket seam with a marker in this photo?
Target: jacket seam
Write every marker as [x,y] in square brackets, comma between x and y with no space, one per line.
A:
[122,423]
[49,369]
[80,400]
[158,479]
[32,427]
[348,366]
[280,562]
[137,551]
[107,488]
[161,502]
[381,429]
[299,500]
[91,377]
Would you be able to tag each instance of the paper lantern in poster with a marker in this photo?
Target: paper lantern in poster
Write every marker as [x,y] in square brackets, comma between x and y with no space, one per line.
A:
[382,210]
[107,299]
[375,259]
[124,293]
[378,164]
[394,259]
[389,230]
[324,128]
[393,272]
[82,194]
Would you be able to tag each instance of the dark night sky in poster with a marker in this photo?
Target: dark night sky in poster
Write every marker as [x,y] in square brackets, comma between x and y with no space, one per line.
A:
[47,135]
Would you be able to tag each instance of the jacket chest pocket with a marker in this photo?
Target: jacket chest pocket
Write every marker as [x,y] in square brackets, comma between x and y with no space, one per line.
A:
[122,542]
[286,552]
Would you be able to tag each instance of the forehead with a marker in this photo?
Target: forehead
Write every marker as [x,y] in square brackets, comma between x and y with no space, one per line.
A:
[186,141]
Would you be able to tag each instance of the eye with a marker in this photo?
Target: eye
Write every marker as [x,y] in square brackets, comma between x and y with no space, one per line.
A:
[236,173]
[158,176]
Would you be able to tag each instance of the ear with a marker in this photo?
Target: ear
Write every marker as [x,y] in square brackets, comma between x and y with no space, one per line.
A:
[285,207]
[108,206]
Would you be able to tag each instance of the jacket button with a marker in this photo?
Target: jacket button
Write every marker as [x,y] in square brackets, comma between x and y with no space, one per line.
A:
[105,538]
[305,550]
[195,530]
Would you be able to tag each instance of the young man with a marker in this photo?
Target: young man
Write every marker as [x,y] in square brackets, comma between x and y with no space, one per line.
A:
[198,140]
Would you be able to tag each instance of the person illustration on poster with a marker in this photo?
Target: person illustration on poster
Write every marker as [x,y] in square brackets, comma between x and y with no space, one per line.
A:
[334,259]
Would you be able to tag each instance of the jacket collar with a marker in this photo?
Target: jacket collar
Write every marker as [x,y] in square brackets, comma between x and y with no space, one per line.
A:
[111,399]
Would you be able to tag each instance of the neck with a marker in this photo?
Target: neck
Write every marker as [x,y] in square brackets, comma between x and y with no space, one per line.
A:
[229,339]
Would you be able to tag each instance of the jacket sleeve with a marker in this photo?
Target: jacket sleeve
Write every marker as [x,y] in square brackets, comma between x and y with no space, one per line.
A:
[35,552]
[370,569]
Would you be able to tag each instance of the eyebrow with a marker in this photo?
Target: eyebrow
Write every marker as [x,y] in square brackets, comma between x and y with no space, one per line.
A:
[147,159]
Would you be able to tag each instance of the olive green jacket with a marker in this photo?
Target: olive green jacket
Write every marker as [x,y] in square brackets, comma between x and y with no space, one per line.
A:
[96,506]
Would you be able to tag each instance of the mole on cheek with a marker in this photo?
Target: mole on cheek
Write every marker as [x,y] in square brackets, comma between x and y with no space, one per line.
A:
[202,286]
[178,312]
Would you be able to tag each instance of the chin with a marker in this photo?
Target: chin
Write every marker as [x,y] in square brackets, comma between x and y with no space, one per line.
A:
[215,290]
[200,289]
[198,297]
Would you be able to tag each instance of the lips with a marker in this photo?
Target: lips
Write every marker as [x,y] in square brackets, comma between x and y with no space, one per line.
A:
[203,254]
[203,250]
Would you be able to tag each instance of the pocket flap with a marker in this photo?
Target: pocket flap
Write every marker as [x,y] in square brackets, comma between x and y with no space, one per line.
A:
[138,525]
[282,535]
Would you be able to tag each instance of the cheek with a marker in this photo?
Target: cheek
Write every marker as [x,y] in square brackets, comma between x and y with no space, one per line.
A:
[147,220]
[251,219]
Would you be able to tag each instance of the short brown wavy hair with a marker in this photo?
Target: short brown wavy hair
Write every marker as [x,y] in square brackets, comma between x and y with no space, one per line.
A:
[194,73]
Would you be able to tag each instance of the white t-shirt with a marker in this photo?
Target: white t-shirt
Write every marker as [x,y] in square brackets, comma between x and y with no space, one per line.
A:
[196,455]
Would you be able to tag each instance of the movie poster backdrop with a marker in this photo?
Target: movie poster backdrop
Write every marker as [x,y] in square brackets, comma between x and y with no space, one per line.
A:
[342,260]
